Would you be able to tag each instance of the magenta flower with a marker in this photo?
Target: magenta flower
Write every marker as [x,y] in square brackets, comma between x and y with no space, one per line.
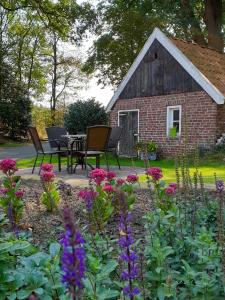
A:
[47,167]
[155,173]
[110,175]
[108,188]
[47,176]
[4,191]
[19,194]
[98,175]
[89,197]
[120,181]
[170,191]
[8,165]
[173,185]
[132,178]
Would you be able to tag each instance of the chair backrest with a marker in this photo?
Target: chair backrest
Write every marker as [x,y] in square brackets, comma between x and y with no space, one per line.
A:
[97,137]
[55,133]
[35,139]
[114,138]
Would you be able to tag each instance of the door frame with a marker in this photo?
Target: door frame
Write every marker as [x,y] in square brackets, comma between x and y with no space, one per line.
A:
[118,120]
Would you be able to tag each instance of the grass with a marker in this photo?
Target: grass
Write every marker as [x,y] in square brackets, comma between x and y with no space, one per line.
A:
[207,166]
[13,144]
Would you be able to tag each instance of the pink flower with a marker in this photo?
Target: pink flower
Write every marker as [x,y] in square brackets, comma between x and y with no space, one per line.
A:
[84,194]
[8,165]
[108,188]
[98,175]
[173,185]
[47,167]
[19,194]
[132,178]
[155,173]
[170,191]
[110,175]
[120,181]
[4,191]
[47,176]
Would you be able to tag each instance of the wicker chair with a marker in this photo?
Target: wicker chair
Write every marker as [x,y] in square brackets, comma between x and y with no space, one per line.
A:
[96,144]
[40,151]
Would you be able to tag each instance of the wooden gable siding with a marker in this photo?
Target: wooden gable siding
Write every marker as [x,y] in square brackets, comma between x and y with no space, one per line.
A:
[158,74]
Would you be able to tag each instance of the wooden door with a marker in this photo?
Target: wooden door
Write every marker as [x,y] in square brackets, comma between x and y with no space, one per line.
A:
[128,120]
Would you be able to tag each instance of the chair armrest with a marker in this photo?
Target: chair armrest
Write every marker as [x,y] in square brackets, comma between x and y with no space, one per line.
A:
[58,143]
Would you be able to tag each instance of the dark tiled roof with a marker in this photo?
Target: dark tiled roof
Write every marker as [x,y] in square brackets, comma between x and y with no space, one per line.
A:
[209,62]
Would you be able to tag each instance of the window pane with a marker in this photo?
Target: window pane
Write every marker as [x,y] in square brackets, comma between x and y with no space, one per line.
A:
[176,115]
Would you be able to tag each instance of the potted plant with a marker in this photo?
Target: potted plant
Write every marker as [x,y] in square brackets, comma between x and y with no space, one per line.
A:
[147,150]
[173,132]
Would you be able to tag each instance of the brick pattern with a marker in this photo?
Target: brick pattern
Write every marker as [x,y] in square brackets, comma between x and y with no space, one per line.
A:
[221,119]
[199,124]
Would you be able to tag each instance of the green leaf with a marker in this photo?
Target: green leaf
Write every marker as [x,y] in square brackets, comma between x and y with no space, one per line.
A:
[54,249]
[24,294]
[106,270]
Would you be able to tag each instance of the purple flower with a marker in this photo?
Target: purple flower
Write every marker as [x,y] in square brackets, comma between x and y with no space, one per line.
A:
[88,197]
[131,292]
[219,186]
[128,255]
[73,255]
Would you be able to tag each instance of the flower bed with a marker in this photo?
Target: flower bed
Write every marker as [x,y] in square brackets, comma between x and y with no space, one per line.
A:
[110,241]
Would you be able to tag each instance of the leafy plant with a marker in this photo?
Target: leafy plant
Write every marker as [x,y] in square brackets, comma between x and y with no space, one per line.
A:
[50,197]
[10,193]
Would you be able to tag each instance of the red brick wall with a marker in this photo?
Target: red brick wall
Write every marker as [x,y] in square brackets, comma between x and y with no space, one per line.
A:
[221,119]
[199,110]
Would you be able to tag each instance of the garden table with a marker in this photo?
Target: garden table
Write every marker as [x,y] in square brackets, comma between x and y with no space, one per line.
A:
[75,142]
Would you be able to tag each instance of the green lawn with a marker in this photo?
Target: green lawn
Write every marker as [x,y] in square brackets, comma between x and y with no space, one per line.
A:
[207,166]
[13,144]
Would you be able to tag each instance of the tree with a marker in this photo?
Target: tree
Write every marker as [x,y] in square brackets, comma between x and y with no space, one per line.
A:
[82,114]
[15,106]
[124,26]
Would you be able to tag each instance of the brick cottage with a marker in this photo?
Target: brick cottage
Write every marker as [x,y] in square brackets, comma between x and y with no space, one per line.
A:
[173,94]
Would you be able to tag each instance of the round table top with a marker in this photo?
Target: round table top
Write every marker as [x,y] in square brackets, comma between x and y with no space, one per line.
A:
[72,136]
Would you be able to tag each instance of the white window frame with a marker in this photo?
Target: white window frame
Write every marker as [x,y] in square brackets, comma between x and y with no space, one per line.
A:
[168,122]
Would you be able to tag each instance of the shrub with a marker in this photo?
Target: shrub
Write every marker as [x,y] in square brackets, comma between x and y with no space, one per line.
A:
[15,106]
[82,114]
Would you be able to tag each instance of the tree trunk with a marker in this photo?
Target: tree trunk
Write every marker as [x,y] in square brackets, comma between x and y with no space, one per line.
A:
[54,79]
[213,20]
[31,66]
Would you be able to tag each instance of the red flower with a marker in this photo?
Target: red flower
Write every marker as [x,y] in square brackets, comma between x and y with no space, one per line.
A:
[110,175]
[47,176]
[47,167]
[155,173]
[8,165]
[108,188]
[19,194]
[98,175]
[120,181]
[132,178]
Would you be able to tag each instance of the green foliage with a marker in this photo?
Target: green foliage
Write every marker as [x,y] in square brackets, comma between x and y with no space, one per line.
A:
[82,114]
[146,146]
[50,197]
[15,107]
[124,27]
[25,271]
[12,202]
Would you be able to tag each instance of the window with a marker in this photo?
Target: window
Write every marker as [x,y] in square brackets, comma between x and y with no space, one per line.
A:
[173,121]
